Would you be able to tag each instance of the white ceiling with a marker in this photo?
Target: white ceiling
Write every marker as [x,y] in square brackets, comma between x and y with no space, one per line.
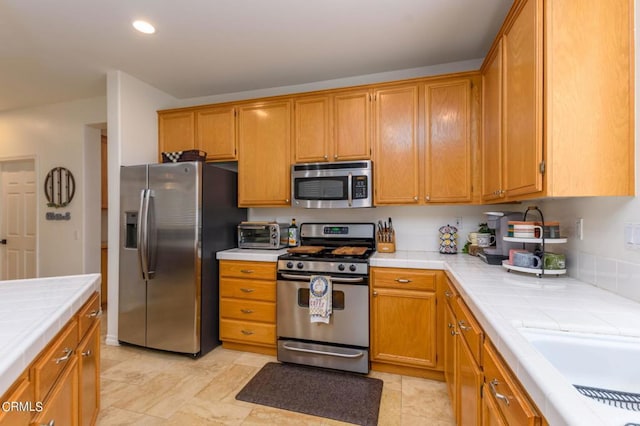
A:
[54,51]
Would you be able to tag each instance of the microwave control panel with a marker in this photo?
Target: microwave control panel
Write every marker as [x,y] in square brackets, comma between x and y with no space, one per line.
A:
[360,187]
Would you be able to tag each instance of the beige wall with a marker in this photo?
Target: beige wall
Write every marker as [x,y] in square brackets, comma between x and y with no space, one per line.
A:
[56,135]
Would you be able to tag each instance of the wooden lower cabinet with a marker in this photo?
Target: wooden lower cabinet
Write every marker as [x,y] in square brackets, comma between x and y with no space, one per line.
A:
[509,402]
[469,386]
[62,385]
[89,376]
[61,406]
[248,306]
[404,321]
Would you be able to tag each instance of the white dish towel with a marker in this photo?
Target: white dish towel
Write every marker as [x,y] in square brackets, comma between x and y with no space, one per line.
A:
[320,303]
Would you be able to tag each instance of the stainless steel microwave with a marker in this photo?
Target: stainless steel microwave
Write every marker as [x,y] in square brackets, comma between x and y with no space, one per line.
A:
[263,235]
[341,184]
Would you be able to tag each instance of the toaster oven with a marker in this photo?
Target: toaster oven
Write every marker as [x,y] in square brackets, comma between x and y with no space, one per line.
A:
[263,235]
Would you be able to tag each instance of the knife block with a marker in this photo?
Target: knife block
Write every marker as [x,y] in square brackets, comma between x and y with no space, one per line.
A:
[386,247]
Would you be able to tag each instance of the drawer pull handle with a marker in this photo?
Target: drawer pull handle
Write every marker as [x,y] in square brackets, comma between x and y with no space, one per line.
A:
[450,325]
[247,332]
[52,422]
[403,280]
[247,271]
[463,327]
[246,311]
[94,314]
[492,386]
[448,294]
[247,290]
[67,354]
[86,353]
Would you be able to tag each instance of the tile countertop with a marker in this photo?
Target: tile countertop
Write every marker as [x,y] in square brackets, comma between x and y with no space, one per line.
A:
[32,312]
[502,301]
[250,254]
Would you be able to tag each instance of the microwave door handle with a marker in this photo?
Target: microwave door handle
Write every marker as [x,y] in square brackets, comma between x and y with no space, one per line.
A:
[350,189]
[258,227]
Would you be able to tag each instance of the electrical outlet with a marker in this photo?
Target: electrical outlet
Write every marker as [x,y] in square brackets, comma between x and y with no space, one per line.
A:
[459,223]
[580,229]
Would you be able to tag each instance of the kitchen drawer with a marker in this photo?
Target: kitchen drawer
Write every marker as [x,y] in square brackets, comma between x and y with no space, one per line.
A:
[450,293]
[502,386]
[53,360]
[406,279]
[248,289]
[251,270]
[470,330]
[248,332]
[248,310]
[88,315]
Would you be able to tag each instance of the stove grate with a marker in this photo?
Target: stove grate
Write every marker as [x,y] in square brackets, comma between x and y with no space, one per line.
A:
[626,400]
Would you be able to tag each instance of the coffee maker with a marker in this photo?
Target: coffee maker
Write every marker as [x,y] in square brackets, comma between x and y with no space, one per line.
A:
[499,221]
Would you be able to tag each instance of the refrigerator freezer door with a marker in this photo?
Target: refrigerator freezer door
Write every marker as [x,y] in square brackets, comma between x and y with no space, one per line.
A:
[173,291]
[132,299]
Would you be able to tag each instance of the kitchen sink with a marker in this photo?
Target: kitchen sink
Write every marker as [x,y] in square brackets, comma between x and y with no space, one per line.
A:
[601,366]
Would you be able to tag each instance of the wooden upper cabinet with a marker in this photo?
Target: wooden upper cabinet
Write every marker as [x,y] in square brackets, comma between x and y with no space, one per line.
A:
[352,125]
[567,115]
[312,121]
[216,133]
[448,142]
[396,150]
[332,127]
[176,131]
[492,164]
[264,160]
[523,100]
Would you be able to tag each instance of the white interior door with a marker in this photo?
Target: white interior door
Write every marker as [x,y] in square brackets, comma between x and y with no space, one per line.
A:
[18,223]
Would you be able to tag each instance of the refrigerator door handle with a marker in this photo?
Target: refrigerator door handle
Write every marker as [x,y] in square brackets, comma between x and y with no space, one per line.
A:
[149,235]
[142,231]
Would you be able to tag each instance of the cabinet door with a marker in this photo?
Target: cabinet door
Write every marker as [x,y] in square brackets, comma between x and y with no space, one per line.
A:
[312,133]
[470,380]
[23,393]
[450,360]
[264,161]
[89,376]
[492,126]
[176,131]
[490,412]
[396,165]
[216,133]
[61,407]
[403,327]
[352,125]
[448,142]
[523,101]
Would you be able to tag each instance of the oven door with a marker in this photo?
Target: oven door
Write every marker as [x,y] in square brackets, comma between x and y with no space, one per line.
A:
[349,323]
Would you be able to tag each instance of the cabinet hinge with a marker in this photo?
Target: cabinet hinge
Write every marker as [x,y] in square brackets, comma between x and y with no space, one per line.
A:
[543,166]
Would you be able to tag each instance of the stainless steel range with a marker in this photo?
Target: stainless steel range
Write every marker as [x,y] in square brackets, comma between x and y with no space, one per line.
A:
[341,252]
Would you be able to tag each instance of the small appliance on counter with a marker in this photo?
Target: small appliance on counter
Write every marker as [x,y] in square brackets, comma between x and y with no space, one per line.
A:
[499,221]
[263,235]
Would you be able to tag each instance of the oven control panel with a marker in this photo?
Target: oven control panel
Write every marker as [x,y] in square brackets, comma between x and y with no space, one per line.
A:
[323,267]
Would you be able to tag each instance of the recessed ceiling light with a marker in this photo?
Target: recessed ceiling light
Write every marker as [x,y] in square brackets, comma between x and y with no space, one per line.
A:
[144,27]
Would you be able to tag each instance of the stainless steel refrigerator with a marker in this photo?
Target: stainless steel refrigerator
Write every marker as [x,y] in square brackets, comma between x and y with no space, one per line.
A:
[174,218]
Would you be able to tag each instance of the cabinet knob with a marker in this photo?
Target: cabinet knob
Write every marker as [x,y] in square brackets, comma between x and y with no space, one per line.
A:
[448,294]
[286,200]
[415,198]
[427,198]
[375,293]
[326,157]
[335,156]
[87,353]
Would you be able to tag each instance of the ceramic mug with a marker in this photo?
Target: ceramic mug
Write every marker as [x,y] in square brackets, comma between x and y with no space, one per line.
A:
[485,240]
[553,261]
[514,251]
[525,230]
[473,237]
[526,260]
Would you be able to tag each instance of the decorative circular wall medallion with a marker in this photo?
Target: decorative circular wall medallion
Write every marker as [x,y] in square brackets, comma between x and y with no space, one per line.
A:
[59,187]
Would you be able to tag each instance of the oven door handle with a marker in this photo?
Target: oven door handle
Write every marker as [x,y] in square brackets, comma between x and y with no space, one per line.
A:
[313,351]
[333,279]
